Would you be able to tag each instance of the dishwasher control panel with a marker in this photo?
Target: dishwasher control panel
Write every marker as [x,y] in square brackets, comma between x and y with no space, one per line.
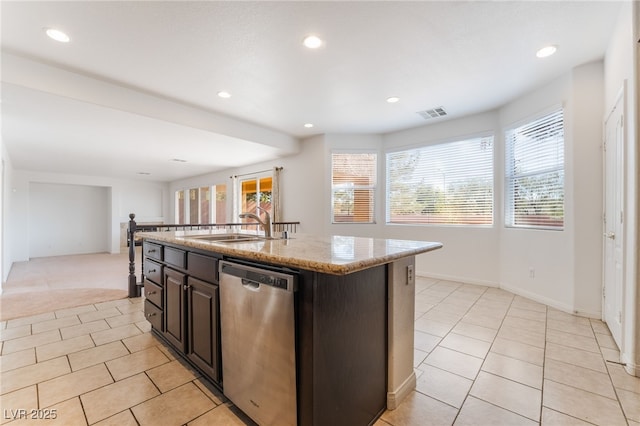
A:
[281,280]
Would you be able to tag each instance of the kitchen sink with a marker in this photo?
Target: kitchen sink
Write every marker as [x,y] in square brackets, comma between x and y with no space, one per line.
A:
[228,238]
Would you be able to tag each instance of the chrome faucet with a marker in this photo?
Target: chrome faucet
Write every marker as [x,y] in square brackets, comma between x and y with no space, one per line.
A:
[266,225]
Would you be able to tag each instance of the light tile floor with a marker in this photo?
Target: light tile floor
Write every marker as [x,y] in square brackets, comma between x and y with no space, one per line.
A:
[482,355]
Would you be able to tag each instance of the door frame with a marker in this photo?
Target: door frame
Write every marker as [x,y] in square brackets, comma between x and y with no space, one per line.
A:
[620,100]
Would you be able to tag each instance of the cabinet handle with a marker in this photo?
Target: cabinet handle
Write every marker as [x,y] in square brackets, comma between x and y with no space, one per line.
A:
[150,271]
[151,251]
[150,315]
[186,287]
[151,292]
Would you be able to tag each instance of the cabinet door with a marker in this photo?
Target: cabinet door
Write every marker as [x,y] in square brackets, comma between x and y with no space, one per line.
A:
[203,328]
[174,303]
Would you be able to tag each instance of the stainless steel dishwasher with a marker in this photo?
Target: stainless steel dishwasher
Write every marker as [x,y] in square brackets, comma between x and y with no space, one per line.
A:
[258,342]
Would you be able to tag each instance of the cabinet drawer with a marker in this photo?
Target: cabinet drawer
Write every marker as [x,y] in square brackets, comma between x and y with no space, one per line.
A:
[153,271]
[153,293]
[203,267]
[154,315]
[151,250]
[175,257]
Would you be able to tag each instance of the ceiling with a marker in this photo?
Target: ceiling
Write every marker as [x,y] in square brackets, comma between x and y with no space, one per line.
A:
[136,86]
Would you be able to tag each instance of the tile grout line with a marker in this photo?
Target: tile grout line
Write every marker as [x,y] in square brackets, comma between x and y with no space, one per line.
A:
[459,410]
[606,366]
[544,363]
[480,370]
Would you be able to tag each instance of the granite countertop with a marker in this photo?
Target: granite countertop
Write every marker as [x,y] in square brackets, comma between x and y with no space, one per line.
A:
[338,255]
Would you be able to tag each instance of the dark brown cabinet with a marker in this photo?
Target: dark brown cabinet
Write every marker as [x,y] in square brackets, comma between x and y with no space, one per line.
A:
[154,315]
[182,303]
[153,287]
[151,250]
[203,326]
[174,308]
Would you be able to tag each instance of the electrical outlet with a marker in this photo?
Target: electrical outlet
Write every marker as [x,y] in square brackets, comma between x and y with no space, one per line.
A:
[532,272]
[410,274]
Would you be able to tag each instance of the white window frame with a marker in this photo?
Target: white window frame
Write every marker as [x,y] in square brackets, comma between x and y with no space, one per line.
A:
[249,177]
[511,176]
[483,137]
[373,188]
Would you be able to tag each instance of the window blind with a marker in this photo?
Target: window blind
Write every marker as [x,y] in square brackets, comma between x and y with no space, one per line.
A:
[535,173]
[353,183]
[446,183]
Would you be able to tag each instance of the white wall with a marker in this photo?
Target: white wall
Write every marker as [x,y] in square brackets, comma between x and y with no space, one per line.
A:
[5,214]
[550,253]
[123,197]
[67,219]
[587,186]
[470,254]
[621,68]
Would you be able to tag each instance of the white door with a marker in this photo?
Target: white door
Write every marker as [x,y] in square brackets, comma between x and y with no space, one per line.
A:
[614,220]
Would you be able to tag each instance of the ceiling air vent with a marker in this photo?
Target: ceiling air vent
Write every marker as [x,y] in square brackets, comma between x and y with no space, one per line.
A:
[432,113]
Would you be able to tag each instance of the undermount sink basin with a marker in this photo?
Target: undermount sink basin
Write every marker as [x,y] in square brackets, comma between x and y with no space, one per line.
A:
[228,238]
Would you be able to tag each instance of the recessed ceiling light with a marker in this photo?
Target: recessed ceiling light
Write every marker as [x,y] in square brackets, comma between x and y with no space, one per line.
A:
[57,35]
[224,94]
[312,42]
[308,125]
[393,99]
[546,51]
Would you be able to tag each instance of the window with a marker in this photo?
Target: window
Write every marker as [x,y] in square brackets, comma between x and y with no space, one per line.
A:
[198,205]
[194,203]
[535,173]
[353,187]
[179,213]
[205,204]
[220,204]
[256,192]
[446,183]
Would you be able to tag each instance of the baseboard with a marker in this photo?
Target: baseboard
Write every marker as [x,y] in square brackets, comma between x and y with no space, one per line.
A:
[395,397]
[630,367]
[466,280]
[515,290]
[550,302]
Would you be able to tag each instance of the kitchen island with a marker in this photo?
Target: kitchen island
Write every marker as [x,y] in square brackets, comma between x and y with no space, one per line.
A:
[353,312]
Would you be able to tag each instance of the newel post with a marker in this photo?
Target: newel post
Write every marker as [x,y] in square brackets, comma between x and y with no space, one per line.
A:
[134,289]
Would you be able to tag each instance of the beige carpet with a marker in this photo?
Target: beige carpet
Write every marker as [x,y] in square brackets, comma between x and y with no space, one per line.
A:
[49,284]
[19,305]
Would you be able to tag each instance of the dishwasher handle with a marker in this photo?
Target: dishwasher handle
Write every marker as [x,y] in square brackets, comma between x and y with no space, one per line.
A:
[259,276]
[250,285]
